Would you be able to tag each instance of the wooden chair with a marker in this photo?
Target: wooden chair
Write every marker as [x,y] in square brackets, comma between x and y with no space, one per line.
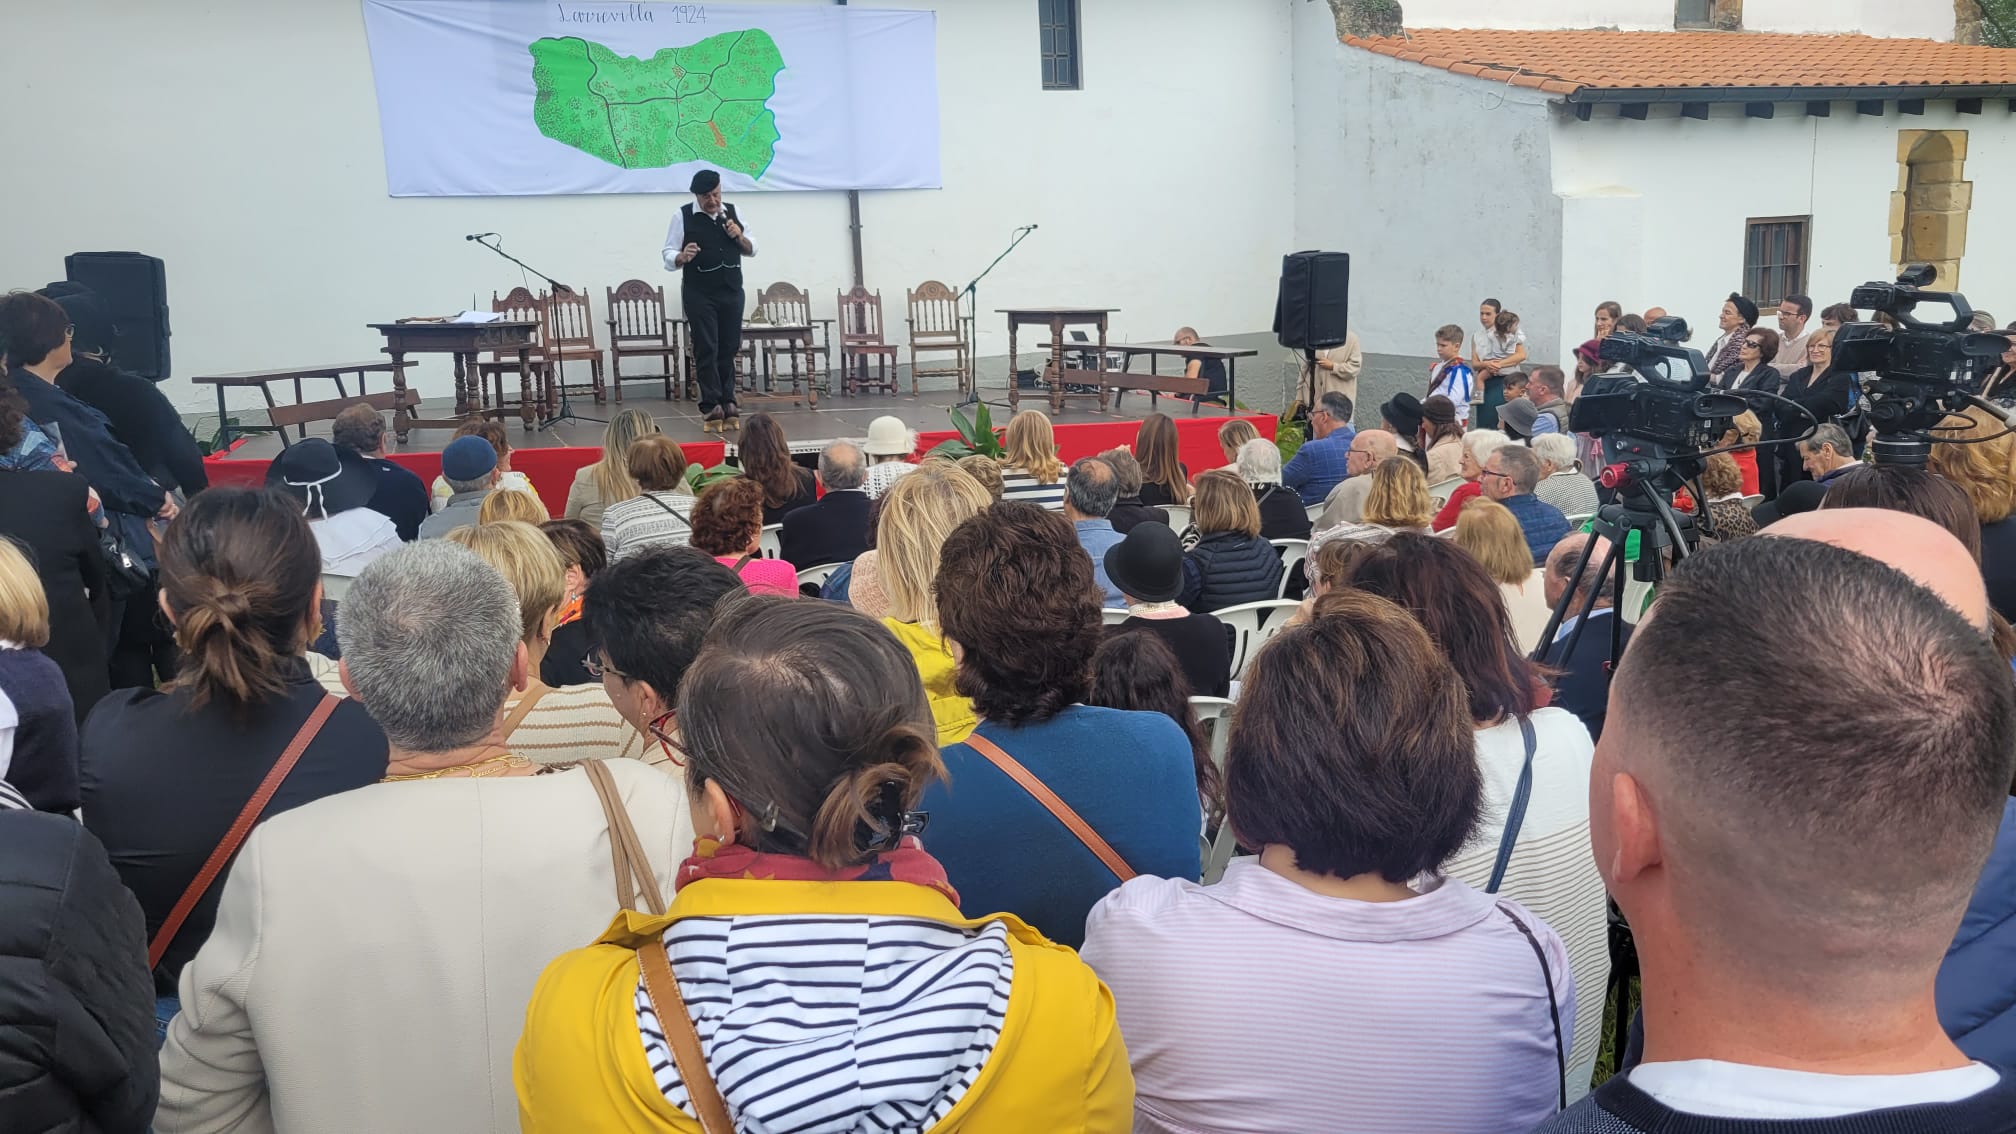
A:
[861,339]
[570,337]
[640,328]
[501,367]
[936,328]
[785,306]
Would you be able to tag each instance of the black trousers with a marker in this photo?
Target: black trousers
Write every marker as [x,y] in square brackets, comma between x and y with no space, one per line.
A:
[714,317]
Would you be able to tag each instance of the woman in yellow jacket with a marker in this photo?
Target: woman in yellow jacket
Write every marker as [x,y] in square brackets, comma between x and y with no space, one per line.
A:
[918,512]
[820,972]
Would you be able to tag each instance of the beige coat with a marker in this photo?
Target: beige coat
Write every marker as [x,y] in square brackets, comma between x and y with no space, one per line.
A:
[375,951]
[1349,359]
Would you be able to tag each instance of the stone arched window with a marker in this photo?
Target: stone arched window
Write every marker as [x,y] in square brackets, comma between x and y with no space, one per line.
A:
[1928,213]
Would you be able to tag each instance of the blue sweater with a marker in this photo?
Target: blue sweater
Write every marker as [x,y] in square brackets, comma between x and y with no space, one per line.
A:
[1977,982]
[1129,775]
[44,760]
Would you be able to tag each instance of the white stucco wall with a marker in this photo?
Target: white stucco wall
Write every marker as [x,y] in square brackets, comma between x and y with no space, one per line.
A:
[1679,188]
[240,143]
[1388,169]
[1928,18]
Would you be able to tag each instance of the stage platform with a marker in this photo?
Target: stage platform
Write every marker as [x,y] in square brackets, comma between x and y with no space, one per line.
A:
[551,456]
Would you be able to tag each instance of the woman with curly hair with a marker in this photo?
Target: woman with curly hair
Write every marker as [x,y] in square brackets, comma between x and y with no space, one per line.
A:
[1017,601]
[728,525]
[1982,461]
[765,457]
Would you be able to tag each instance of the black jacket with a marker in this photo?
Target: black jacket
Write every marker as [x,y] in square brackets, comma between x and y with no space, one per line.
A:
[1825,401]
[1201,643]
[835,530]
[1282,513]
[142,419]
[1131,511]
[400,496]
[76,1004]
[1229,568]
[1583,688]
[45,511]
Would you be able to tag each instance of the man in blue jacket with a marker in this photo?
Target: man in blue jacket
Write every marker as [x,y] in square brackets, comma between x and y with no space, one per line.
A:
[1323,460]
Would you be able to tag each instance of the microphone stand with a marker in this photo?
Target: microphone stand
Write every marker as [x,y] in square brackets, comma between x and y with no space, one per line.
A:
[971,291]
[566,407]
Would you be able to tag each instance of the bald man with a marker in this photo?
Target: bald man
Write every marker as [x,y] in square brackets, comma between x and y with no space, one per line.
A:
[1928,553]
[1346,502]
[1583,687]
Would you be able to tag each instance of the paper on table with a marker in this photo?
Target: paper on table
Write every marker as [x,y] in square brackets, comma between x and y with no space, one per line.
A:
[477,317]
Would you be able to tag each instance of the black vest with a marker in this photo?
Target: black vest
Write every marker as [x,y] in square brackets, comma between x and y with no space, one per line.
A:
[719,264]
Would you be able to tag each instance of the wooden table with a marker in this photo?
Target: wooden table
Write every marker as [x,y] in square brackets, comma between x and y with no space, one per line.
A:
[1122,380]
[463,342]
[797,340]
[259,378]
[1055,318]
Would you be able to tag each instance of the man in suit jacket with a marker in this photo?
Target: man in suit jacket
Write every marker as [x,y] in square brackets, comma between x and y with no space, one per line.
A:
[1583,688]
[400,496]
[835,529]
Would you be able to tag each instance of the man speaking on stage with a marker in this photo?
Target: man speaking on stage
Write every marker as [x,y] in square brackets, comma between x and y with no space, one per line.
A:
[706,244]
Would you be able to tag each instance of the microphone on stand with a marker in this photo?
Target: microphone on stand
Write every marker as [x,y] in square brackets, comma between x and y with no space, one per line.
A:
[478,235]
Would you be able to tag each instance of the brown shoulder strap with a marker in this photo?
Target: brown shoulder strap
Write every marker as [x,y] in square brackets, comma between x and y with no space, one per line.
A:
[523,708]
[1062,810]
[240,827]
[634,880]
[741,563]
[663,989]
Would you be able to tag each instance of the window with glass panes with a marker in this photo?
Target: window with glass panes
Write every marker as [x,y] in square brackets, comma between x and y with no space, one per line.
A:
[1774,259]
[1058,23]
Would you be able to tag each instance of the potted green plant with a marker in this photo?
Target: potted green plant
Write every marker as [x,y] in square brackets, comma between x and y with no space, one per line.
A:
[976,437]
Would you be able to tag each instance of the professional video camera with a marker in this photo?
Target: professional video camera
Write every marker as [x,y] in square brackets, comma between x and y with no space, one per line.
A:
[1925,371]
[1656,417]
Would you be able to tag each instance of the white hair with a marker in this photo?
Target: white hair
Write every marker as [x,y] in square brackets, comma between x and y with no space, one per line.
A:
[1484,442]
[1260,462]
[1556,448]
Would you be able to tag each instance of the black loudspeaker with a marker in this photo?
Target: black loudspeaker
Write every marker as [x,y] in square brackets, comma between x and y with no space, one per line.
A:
[134,287]
[1313,307]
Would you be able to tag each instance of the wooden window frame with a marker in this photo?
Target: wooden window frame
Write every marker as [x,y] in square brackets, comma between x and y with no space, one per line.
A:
[1754,278]
[1706,22]
[1073,55]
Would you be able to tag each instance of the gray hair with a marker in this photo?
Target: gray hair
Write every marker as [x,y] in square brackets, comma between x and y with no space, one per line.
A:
[1337,405]
[1519,463]
[480,484]
[1260,462]
[1558,448]
[428,633]
[1829,434]
[1091,487]
[1126,470]
[1563,561]
[1484,442]
[841,466]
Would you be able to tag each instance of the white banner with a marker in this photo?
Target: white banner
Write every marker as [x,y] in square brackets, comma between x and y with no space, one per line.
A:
[531,97]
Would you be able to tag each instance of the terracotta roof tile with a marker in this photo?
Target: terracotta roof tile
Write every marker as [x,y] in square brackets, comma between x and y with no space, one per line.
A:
[1564,62]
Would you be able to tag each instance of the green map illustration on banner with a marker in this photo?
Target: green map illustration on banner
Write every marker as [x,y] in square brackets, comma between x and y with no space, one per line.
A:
[703,102]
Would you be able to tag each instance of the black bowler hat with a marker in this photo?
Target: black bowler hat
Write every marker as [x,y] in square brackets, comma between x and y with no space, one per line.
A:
[312,472]
[1403,412]
[705,181]
[1148,564]
[1744,308]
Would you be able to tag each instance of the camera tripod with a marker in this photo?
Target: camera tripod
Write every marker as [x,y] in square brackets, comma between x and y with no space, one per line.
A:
[1641,508]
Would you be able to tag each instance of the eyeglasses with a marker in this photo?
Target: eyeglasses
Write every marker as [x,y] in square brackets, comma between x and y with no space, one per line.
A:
[1491,472]
[596,668]
[1753,344]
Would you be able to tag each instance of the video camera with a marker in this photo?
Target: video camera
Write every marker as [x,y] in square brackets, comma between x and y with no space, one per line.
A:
[1656,414]
[1924,370]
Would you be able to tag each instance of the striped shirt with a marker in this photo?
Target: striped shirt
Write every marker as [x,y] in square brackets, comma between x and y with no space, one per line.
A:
[1553,873]
[11,799]
[1257,1005]
[654,519]
[834,1024]
[1017,484]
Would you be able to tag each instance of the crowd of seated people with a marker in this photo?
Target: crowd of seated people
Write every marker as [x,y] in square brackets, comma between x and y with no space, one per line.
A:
[552,825]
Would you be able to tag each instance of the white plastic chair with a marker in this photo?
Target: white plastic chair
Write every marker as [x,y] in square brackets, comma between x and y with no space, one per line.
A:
[1752,500]
[817,576]
[1112,617]
[1444,489]
[1252,624]
[1214,714]
[1576,521]
[1292,551]
[1315,511]
[771,545]
[1179,516]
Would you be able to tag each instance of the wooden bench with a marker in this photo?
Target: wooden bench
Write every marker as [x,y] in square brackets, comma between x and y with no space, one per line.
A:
[304,412]
[1123,380]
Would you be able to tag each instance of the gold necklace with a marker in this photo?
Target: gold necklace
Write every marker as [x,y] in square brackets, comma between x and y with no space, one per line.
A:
[504,765]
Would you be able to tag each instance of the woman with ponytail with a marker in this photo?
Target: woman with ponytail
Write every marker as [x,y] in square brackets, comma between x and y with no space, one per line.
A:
[165,772]
[860,997]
